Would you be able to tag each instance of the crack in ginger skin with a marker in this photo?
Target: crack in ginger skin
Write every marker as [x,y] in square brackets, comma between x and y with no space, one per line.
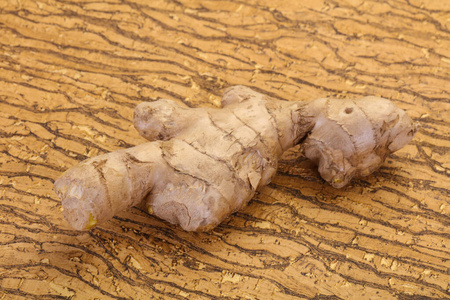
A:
[202,164]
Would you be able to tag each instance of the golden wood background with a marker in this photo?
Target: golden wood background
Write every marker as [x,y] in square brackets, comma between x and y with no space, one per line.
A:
[71,73]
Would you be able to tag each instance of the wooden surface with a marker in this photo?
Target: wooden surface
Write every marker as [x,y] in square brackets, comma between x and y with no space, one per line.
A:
[71,73]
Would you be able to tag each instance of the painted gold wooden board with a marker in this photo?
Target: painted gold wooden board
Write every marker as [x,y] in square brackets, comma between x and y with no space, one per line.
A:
[71,73]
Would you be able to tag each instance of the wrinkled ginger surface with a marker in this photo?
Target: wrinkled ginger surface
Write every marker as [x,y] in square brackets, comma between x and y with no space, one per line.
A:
[203,164]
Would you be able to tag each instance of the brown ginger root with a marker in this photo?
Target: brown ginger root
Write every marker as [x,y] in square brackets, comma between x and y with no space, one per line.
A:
[202,164]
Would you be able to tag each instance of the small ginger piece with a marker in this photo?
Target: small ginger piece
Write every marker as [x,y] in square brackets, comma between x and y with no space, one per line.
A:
[202,164]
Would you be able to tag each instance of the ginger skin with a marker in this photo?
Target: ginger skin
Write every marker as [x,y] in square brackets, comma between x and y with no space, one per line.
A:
[202,164]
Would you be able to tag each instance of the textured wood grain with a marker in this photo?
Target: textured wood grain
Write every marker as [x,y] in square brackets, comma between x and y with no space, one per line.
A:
[71,73]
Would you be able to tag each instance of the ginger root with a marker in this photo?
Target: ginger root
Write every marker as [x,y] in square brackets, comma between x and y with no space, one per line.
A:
[202,164]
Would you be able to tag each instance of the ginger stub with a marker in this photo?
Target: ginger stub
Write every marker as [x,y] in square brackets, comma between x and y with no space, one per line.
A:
[203,164]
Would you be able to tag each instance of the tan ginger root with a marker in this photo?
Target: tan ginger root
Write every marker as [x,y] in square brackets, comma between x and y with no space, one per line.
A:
[203,164]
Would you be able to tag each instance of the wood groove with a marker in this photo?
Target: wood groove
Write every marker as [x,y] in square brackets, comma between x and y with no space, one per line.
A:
[72,72]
